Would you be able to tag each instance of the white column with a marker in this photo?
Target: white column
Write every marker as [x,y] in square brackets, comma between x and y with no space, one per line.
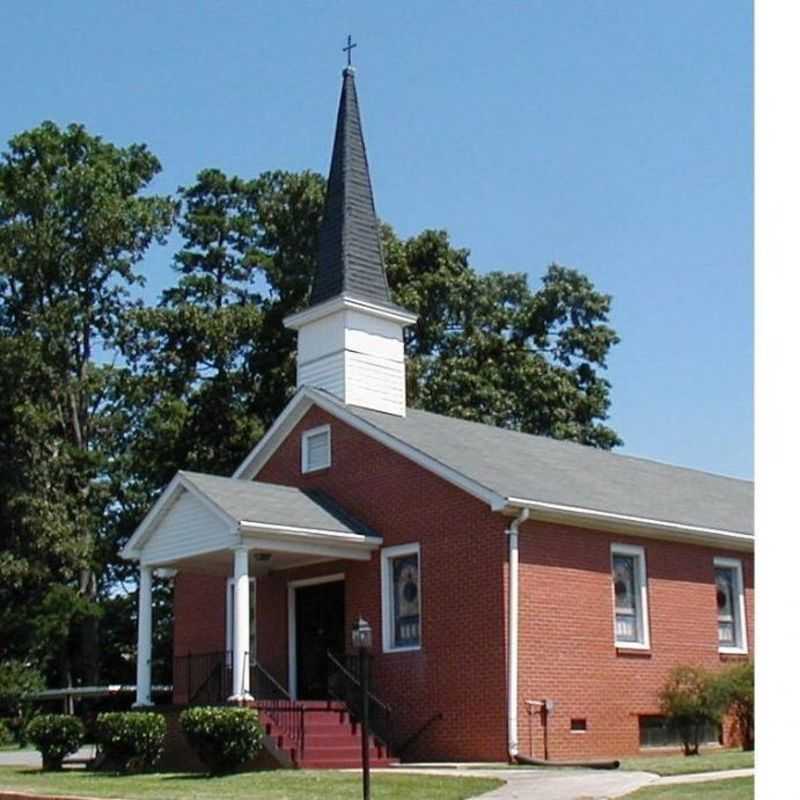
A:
[145,640]
[241,625]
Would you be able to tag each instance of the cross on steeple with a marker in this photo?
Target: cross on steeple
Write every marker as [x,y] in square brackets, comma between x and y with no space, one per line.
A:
[350,45]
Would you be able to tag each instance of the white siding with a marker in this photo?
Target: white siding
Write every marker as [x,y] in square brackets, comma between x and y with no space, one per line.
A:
[325,373]
[186,529]
[357,357]
[377,383]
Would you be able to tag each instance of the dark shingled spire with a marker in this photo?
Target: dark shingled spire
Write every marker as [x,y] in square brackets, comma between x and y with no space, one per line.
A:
[349,259]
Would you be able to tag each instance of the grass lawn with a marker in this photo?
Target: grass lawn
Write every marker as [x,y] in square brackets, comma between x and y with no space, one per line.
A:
[730,789]
[278,785]
[679,764]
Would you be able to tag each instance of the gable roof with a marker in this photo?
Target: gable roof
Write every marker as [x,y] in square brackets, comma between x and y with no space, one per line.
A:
[558,479]
[560,473]
[349,259]
[249,502]
[242,506]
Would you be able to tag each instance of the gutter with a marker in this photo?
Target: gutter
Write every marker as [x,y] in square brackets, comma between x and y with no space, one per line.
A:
[635,525]
[513,630]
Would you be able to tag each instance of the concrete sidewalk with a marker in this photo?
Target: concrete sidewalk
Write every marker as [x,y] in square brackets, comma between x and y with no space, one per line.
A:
[702,777]
[548,783]
[554,783]
[31,758]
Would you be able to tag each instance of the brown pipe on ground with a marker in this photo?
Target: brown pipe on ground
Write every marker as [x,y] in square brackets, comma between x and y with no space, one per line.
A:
[538,762]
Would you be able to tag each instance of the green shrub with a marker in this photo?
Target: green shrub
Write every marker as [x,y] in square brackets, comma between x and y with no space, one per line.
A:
[132,741]
[691,698]
[55,736]
[223,738]
[736,685]
[6,736]
[16,680]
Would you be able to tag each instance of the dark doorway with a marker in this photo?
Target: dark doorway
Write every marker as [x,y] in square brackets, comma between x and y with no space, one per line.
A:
[319,616]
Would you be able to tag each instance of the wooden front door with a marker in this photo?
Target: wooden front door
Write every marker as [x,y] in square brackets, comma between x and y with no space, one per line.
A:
[320,625]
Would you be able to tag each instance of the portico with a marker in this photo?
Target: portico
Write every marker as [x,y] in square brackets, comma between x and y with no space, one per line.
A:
[241,529]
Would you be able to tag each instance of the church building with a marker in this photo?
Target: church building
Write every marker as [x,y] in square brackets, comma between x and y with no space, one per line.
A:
[525,595]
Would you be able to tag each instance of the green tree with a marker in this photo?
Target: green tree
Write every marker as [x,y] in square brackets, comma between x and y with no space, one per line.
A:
[490,349]
[737,687]
[216,361]
[73,225]
[690,699]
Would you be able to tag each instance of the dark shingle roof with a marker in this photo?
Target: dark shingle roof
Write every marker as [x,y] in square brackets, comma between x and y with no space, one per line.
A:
[538,468]
[272,504]
[350,259]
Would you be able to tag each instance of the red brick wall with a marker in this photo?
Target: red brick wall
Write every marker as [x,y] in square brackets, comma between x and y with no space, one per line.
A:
[460,668]
[567,648]
[199,620]
[567,651]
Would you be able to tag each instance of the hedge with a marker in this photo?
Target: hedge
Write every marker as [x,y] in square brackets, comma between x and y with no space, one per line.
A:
[55,736]
[223,738]
[131,741]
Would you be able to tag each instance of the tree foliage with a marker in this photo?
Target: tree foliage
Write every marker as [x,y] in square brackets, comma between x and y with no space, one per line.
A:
[737,687]
[489,349]
[690,699]
[105,397]
[73,225]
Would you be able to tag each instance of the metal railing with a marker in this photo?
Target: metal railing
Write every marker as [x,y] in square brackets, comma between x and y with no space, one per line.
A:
[204,678]
[276,702]
[344,684]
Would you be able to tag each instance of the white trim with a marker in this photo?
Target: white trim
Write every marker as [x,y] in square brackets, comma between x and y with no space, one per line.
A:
[304,449]
[291,605]
[312,548]
[344,301]
[735,564]
[293,532]
[387,603]
[637,551]
[702,535]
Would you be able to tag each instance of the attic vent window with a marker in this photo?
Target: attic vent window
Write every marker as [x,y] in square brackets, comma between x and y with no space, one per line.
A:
[316,449]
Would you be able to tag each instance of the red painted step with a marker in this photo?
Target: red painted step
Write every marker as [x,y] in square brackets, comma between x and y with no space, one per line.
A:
[332,740]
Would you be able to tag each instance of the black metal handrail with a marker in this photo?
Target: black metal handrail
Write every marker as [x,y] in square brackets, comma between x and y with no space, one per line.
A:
[272,697]
[344,684]
[409,740]
[206,677]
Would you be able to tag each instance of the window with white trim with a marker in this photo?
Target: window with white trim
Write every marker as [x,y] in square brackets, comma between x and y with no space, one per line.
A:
[316,448]
[629,580]
[730,605]
[401,598]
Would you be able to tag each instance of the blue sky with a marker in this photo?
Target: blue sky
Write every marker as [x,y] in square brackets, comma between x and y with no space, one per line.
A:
[612,137]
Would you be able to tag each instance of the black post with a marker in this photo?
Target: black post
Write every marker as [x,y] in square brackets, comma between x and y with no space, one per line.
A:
[363,667]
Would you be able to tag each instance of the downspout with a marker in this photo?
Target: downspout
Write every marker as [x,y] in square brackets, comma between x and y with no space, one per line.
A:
[513,629]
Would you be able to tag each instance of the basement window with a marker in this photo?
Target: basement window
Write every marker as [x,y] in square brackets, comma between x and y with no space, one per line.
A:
[629,582]
[655,731]
[730,605]
[316,449]
[578,725]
